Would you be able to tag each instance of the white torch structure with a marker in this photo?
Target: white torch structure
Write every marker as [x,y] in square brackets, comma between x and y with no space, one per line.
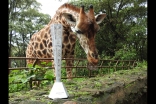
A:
[58,90]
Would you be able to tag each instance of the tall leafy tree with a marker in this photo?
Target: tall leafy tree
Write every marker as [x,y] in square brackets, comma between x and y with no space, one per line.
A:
[24,20]
[125,25]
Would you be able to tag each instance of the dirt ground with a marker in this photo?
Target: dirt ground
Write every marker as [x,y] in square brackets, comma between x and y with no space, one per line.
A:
[121,87]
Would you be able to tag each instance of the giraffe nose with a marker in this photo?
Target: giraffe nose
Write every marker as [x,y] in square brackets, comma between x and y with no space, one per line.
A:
[94,55]
[92,58]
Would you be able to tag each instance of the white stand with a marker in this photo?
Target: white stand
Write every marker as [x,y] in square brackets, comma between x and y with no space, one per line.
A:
[58,90]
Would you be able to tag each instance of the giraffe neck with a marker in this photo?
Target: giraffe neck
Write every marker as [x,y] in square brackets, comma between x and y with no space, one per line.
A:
[69,37]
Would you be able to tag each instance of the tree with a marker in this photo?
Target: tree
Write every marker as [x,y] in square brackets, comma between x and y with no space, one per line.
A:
[24,20]
[125,19]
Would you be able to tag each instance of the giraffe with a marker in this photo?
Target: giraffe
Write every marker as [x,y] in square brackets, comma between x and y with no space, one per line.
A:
[77,24]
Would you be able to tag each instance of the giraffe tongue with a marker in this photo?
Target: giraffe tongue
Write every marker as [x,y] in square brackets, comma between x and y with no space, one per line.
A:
[90,66]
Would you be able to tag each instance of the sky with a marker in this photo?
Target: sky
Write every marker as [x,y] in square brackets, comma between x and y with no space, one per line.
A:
[50,6]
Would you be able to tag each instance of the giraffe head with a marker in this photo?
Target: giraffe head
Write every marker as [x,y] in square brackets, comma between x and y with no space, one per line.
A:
[86,25]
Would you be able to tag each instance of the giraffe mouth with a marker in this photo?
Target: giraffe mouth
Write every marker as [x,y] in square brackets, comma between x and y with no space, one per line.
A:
[91,66]
[92,63]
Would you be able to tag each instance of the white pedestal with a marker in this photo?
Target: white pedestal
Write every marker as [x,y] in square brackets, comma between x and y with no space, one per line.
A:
[58,91]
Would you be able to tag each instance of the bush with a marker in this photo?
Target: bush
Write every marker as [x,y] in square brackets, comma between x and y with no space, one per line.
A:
[126,53]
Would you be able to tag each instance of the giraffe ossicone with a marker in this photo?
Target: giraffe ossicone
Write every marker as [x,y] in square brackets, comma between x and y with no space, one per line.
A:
[77,24]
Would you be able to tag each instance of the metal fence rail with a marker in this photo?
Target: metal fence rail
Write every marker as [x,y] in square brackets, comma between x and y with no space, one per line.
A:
[122,64]
[80,65]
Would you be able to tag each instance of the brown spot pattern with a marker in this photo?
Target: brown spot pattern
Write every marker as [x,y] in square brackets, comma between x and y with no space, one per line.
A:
[65,41]
[44,51]
[39,52]
[36,45]
[38,39]
[45,36]
[41,46]
[44,42]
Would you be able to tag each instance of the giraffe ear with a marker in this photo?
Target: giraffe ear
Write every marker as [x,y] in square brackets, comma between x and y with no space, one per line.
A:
[70,18]
[99,18]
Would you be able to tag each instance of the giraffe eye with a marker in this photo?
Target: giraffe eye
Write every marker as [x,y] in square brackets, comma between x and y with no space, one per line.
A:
[79,32]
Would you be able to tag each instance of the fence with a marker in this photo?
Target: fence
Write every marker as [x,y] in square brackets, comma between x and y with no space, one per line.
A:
[80,66]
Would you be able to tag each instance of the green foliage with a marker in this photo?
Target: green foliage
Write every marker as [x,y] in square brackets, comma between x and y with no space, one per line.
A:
[18,80]
[127,53]
[125,24]
[24,20]
[63,70]
[49,75]
[24,76]
[142,64]
[79,52]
